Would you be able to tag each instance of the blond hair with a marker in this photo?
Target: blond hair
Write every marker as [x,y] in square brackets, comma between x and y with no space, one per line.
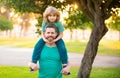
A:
[50,10]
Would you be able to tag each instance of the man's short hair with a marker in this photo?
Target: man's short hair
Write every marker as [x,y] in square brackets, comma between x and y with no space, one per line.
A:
[51,25]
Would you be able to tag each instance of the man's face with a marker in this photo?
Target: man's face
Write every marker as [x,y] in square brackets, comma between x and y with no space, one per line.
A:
[50,34]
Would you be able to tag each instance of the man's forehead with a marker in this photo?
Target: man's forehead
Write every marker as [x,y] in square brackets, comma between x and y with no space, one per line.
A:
[50,29]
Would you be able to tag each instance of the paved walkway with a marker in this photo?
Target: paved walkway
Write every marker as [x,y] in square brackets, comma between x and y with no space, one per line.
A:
[21,56]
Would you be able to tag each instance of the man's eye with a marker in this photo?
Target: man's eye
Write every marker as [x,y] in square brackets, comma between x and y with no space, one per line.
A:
[52,32]
[54,15]
[49,16]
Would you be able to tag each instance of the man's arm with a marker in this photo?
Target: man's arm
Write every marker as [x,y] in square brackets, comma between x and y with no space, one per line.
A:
[33,66]
[66,69]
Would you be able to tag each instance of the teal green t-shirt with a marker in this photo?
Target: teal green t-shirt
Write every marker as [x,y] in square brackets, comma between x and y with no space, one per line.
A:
[58,25]
[50,63]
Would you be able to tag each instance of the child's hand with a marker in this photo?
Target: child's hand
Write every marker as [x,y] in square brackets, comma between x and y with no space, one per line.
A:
[46,40]
[54,40]
[33,66]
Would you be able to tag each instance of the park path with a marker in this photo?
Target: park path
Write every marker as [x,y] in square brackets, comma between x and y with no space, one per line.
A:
[21,56]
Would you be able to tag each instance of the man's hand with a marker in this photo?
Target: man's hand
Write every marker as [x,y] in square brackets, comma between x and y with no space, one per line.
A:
[66,70]
[33,66]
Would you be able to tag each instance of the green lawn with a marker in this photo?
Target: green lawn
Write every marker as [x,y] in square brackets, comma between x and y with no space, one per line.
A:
[106,47]
[23,72]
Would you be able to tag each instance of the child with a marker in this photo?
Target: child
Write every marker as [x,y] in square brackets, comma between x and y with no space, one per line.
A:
[51,15]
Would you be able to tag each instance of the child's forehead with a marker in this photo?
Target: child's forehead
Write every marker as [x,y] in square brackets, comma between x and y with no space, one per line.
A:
[52,13]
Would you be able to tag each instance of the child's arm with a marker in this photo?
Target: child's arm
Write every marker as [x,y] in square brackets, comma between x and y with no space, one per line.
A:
[59,37]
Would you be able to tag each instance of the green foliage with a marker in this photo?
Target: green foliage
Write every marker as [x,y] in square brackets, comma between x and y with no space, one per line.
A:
[35,6]
[115,20]
[5,24]
[115,23]
[39,25]
[77,20]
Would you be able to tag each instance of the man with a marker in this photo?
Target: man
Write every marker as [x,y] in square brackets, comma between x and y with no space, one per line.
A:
[50,65]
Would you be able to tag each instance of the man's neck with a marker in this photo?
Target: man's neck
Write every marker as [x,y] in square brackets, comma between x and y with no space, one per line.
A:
[52,44]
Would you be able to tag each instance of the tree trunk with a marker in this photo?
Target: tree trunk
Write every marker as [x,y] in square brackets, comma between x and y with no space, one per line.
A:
[98,32]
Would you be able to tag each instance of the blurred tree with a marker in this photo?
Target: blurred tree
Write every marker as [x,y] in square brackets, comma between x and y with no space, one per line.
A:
[4,12]
[38,26]
[115,21]
[35,6]
[25,23]
[5,24]
[5,18]
[77,20]
[96,10]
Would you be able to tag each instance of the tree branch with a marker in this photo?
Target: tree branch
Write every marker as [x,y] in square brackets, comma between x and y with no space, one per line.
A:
[106,8]
[91,8]
[83,4]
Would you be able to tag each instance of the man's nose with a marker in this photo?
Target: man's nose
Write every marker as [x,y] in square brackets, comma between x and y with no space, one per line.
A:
[50,34]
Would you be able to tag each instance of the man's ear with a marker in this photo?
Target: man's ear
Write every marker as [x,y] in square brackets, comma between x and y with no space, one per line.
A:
[43,34]
[56,33]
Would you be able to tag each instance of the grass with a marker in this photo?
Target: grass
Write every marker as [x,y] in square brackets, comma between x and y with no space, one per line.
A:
[23,72]
[106,47]
[109,47]
[105,73]
[16,72]
[18,42]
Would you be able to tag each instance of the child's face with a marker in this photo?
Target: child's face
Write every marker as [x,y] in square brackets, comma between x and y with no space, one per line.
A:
[52,17]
